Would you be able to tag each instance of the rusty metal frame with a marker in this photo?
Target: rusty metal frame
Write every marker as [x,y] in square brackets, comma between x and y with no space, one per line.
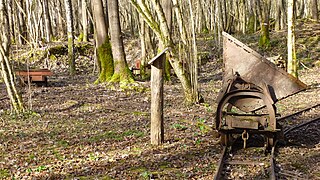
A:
[243,94]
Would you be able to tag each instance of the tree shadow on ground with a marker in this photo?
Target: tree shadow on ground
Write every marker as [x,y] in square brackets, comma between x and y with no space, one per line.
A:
[159,163]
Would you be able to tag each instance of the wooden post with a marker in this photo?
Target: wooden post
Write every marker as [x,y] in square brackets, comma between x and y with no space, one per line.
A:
[157,129]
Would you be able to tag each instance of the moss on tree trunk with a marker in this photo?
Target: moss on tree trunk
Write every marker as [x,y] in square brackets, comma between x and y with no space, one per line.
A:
[122,73]
[264,41]
[72,65]
[106,62]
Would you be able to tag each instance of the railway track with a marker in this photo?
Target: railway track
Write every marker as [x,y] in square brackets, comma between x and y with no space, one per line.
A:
[300,118]
[234,160]
[250,163]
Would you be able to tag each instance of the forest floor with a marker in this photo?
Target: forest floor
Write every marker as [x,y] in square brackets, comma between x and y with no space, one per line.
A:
[77,130]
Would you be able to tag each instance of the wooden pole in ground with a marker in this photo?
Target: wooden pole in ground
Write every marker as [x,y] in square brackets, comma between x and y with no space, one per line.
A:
[157,67]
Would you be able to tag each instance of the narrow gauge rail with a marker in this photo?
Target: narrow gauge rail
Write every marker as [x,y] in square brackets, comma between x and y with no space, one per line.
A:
[227,150]
[287,174]
[298,112]
[299,118]
[227,162]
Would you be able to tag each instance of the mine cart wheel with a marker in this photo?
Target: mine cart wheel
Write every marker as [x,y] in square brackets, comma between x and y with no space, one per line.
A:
[225,139]
[270,141]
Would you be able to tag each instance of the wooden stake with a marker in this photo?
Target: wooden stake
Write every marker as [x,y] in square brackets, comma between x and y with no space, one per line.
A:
[157,67]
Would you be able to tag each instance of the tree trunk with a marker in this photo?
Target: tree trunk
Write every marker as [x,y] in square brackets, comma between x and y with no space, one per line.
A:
[6,70]
[84,21]
[292,60]
[264,7]
[72,67]
[278,15]
[61,25]
[47,20]
[103,46]
[75,16]
[121,70]
[182,28]
[162,32]
[167,9]
[22,23]
[314,7]
[193,62]
[142,34]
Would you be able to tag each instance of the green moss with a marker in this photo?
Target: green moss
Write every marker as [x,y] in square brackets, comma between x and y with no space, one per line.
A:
[84,48]
[80,37]
[264,41]
[59,49]
[167,70]
[205,29]
[4,173]
[106,61]
[123,76]
[52,57]
[251,24]
[72,66]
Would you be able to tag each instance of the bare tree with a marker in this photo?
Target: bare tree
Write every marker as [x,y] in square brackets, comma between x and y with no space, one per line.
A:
[292,60]
[314,9]
[160,28]
[84,20]
[103,46]
[47,20]
[263,7]
[6,70]
[72,67]
[121,70]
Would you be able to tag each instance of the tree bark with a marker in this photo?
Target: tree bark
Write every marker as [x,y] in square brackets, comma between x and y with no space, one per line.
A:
[103,46]
[162,32]
[72,67]
[84,21]
[142,34]
[47,20]
[121,70]
[22,23]
[292,60]
[167,9]
[6,71]
[264,7]
[61,24]
[315,15]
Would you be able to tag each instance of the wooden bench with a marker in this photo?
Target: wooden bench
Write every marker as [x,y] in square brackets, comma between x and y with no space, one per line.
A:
[34,75]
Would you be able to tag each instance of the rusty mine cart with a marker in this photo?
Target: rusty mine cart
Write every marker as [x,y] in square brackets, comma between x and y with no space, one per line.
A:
[251,87]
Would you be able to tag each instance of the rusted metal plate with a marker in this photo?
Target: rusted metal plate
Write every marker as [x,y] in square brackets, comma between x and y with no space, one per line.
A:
[256,69]
[247,122]
[247,104]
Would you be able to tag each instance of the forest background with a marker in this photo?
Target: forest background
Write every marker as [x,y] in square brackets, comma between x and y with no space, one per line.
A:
[91,47]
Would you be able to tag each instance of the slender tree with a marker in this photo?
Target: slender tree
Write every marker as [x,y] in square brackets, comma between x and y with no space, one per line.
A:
[264,7]
[72,67]
[167,9]
[47,19]
[61,24]
[314,9]
[121,70]
[84,20]
[162,31]
[6,70]
[22,28]
[292,60]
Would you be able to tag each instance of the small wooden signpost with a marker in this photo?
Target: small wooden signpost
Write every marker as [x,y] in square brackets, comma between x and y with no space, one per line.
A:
[157,67]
